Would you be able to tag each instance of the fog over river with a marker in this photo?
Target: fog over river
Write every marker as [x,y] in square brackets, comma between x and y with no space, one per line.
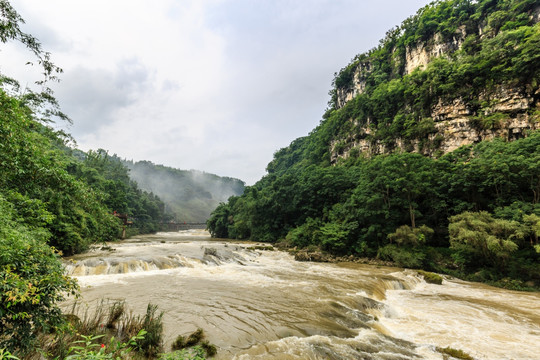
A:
[264,305]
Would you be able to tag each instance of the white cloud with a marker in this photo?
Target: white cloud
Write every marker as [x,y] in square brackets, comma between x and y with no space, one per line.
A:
[212,85]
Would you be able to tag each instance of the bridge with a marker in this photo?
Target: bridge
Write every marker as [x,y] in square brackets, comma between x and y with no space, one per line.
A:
[164,226]
[176,226]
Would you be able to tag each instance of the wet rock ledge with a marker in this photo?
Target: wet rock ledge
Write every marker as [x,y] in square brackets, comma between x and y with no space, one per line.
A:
[319,256]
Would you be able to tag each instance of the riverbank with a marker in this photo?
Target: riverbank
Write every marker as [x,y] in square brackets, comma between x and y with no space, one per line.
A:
[443,266]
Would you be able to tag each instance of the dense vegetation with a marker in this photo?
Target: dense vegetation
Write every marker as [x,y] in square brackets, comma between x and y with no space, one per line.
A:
[73,193]
[53,200]
[474,212]
[188,195]
[108,174]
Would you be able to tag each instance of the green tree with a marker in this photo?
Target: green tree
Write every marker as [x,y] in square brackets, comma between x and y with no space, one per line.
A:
[478,236]
[532,222]
[32,279]
[408,236]
[336,237]
[219,222]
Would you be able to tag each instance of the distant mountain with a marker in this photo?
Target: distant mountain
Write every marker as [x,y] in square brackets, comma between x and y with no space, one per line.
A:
[189,195]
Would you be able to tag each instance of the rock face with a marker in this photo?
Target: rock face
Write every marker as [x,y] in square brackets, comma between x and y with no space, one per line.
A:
[415,57]
[511,112]
[423,53]
[454,122]
[346,94]
[455,126]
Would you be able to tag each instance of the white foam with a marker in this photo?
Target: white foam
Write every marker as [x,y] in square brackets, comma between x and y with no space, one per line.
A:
[486,323]
[266,301]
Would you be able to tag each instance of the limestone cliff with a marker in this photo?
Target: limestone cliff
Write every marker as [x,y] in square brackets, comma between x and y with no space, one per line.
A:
[507,109]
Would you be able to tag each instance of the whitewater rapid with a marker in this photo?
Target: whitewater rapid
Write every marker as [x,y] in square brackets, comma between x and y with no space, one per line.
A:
[257,304]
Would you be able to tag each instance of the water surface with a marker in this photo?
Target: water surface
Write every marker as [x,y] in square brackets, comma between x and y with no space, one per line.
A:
[264,305]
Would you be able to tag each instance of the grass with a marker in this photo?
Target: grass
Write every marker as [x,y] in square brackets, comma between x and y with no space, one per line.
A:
[194,341]
[111,323]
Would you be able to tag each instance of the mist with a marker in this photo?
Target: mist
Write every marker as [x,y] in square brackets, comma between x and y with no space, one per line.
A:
[189,195]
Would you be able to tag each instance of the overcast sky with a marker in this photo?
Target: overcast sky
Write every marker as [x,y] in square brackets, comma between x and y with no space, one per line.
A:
[216,85]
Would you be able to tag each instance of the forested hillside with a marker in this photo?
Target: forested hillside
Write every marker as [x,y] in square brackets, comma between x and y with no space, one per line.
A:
[374,178]
[189,195]
[69,194]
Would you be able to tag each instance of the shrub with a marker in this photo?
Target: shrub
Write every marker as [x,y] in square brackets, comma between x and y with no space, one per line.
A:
[304,235]
[210,349]
[193,345]
[112,324]
[32,283]
[194,353]
[115,312]
[404,257]
[152,343]
[405,235]
[195,337]
[431,278]
[91,348]
[179,343]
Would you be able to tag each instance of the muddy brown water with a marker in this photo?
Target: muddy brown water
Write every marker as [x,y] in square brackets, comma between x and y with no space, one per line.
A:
[264,305]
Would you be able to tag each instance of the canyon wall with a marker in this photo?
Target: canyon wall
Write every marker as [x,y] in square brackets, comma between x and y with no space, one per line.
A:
[511,111]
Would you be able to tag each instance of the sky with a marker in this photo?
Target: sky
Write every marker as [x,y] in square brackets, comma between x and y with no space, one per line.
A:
[211,85]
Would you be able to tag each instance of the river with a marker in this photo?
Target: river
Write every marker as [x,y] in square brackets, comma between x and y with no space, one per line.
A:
[264,305]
